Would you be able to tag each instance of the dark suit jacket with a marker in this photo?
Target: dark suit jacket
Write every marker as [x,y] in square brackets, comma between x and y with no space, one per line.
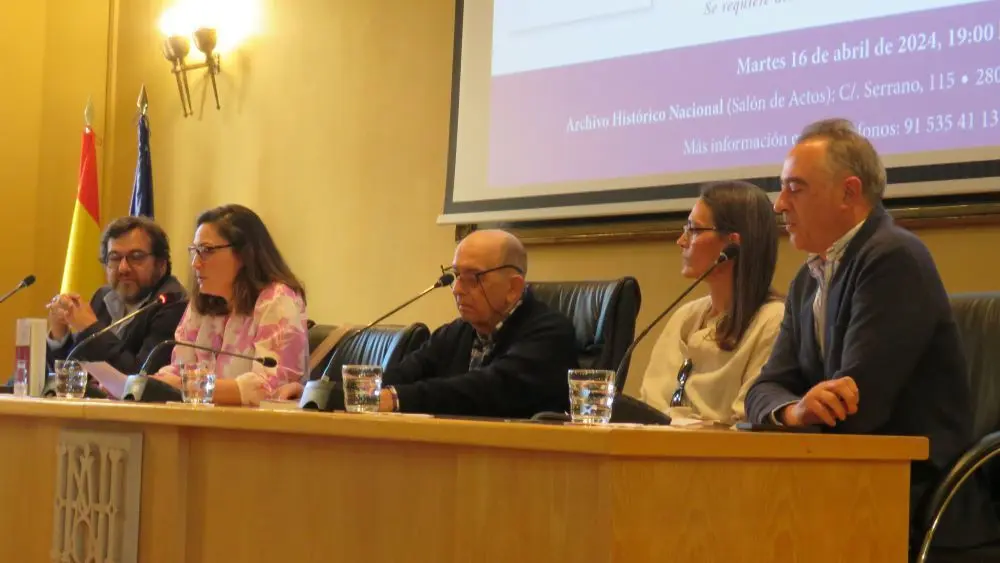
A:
[128,352]
[526,372]
[889,326]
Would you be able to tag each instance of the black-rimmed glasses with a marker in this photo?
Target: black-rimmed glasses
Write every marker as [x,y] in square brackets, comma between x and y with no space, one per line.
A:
[690,229]
[204,251]
[682,377]
[475,278]
[114,259]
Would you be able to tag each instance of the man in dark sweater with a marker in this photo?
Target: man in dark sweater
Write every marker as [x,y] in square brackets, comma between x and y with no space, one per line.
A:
[136,254]
[506,356]
[868,344]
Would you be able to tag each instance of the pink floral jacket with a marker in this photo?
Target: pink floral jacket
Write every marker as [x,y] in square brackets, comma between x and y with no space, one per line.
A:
[276,329]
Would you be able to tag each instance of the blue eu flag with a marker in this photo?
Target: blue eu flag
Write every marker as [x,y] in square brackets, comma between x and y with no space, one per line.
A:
[142,185]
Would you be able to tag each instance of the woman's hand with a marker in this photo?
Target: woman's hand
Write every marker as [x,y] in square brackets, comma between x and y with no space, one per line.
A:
[290,391]
[171,380]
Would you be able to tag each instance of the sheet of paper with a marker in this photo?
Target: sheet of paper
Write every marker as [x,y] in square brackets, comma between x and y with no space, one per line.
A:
[685,422]
[279,405]
[112,379]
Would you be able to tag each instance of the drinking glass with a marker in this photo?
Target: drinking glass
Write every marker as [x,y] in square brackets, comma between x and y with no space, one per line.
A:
[362,387]
[591,395]
[21,379]
[198,382]
[71,379]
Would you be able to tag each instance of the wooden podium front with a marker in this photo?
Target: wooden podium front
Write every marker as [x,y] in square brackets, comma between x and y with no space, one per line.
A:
[172,483]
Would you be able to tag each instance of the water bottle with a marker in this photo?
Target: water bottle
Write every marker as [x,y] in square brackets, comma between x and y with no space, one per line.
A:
[21,379]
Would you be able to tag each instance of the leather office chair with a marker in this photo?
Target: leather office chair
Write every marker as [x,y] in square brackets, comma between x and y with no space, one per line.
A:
[383,345]
[978,319]
[603,314]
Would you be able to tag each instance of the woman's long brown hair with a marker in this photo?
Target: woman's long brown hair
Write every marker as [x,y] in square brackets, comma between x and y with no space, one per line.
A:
[261,262]
[741,207]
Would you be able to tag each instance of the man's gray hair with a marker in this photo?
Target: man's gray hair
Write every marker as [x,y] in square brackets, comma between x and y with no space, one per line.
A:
[849,151]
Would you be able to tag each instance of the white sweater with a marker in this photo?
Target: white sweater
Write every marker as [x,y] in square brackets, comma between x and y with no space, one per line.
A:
[719,379]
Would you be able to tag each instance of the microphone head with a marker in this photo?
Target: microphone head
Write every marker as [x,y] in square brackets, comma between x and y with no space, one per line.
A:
[446,278]
[732,250]
[268,362]
[166,298]
[28,281]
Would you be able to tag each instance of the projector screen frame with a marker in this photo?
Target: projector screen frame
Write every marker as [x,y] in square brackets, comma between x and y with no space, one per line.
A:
[969,195]
[982,210]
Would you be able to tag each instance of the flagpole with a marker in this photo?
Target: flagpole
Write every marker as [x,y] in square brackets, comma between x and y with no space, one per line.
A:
[143,102]
[81,273]
[88,113]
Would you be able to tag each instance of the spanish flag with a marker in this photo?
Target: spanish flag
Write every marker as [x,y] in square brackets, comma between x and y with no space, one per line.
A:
[83,272]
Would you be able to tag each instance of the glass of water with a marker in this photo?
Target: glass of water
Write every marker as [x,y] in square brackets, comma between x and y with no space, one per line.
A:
[198,382]
[362,386]
[21,379]
[71,379]
[591,395]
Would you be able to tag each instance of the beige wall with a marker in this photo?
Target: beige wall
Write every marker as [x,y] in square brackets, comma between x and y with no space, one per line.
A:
[20,114]
[55,57]
[335,128]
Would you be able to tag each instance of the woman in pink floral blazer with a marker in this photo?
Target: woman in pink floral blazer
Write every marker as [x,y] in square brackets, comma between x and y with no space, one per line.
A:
[246,301]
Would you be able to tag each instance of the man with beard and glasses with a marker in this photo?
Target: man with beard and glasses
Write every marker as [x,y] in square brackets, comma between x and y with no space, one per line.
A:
[135,252]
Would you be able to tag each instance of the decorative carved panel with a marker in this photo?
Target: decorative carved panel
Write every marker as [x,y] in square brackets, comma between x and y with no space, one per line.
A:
[96,511]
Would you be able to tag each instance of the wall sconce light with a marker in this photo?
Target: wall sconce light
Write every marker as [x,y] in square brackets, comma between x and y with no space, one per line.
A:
[177,47]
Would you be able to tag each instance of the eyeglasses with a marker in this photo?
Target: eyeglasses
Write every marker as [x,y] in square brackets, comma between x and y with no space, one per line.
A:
[473,279]
[133,258]
[690,229]
[204,251]
[682,377]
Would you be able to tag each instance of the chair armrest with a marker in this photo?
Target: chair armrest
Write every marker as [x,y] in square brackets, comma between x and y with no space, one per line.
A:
[974,458]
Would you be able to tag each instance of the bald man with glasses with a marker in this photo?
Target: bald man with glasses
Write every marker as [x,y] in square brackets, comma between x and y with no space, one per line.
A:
[505,356]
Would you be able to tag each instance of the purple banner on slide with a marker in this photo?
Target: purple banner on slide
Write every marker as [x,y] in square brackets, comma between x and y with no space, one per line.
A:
[917,82]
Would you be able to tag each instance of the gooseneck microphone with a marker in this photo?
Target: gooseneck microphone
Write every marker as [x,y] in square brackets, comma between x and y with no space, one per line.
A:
[161,299]
[316,394]
[728,253]
[141,387]
[266,361]
[445,280]
[24,283]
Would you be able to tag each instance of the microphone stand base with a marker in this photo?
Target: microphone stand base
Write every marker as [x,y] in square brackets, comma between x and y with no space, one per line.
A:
[144,389]
[320,395]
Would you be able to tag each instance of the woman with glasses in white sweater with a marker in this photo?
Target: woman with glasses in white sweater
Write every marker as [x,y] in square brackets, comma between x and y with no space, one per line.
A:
[712,348]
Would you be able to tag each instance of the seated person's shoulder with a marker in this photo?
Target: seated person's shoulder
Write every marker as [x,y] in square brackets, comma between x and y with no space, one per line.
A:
[278,292]
[179,296]
[900,246]
[101,292]
[173,286]
[767,321]
[694,309]
[543,316]
[771,311]
[766,324]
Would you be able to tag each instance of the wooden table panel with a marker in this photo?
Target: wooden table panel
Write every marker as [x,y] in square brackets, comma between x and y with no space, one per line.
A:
[230,484]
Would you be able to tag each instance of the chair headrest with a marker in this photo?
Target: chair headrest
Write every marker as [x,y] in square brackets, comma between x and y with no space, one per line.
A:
[977,316]
[586,303]
[383,345]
